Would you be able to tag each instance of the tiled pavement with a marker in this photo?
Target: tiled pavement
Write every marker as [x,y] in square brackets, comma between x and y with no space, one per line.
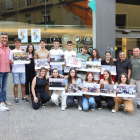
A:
[50,123]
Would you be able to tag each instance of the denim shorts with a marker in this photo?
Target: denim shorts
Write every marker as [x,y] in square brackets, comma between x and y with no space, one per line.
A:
[18,77]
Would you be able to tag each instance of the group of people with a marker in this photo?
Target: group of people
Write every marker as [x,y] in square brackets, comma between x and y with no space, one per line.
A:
[35,83]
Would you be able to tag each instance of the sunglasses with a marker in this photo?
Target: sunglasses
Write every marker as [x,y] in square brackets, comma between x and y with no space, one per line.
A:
[3,33]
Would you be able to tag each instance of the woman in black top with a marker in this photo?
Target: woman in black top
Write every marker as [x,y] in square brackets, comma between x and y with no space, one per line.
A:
[29,70]
[38,90]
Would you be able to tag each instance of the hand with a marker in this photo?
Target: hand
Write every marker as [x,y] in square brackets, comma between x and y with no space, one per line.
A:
[35,99]
[100,59]
[114,59]
[36,70]
[22,50]
[90,59]
[11,62]
[61,76]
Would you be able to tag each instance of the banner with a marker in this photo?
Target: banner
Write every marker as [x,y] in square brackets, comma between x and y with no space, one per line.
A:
[23,35]
[35,35]
[112,69]
[39,63]
[73,62]
[57,59]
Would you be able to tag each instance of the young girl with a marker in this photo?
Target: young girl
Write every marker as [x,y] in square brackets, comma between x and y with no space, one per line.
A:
[29,71]
[127,101]
[96,58]
[107,61]
[109,100]
[88,100]
[72,79]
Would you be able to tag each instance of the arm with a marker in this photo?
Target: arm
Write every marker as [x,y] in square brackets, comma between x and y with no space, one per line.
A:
[129,74]
[33,91]
[100,59]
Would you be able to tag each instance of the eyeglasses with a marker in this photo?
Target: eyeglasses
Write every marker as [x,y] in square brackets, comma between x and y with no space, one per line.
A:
[3,33]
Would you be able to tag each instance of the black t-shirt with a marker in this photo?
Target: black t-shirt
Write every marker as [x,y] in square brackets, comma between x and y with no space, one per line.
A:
[122,67]
[103,62]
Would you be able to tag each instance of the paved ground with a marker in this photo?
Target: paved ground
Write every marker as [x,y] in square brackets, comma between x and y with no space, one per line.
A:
[50,123]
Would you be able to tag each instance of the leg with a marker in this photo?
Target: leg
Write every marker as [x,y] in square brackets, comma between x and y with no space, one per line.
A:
[92,102]
[117,101]
[16,82]
[98,100]
[23,90]
[47,87]
[45,97]
[27,84]
[138,91]
[80,100]
[63,104]
[1,79]
[35,105]
[128,105]
[60,72]
[85,103]
[55,97]
[110,102]
[70,101]
[22,82]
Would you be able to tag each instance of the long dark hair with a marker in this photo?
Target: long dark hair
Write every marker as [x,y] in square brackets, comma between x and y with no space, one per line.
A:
[110,77]
[27,49]
[127,81]
[111,62]
[69,76]
[97,56]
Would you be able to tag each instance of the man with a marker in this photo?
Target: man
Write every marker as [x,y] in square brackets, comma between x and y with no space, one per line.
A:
[56,51]
[4,69]
[123,65]
[18,71]
[135,77]
[43,53]
[84,57]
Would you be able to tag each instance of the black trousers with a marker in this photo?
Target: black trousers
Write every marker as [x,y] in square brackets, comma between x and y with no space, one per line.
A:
[70,100]
[109,101]
[44,97]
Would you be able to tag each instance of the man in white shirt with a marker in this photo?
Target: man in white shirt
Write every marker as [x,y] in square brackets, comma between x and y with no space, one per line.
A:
[18,71]
[56,51]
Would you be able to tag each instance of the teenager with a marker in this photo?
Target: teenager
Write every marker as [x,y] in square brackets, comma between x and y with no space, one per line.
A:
[4,69]
[29,71]
[73,79]
[109,100]
[69,52]
[84,57]
[107,61]
[96,58]
[88,100]
[56,51]
[18,71]
[43,53]
[38,89]
[127,101]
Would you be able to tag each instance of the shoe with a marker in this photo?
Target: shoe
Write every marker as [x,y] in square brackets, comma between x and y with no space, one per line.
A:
[25,100]
[79,108]
[62,108]
[99,108]
[138,106]
[113,111]
[8,103]
[92,109]
[16,101]
[122,105]
[43,105]
[3,104]
[3,108]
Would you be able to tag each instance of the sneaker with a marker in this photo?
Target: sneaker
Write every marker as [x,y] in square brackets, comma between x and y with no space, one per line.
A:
[92,109]
[3,108]
[25,99]
[122,105]
[138,106]
[113,111]
[16,101]
[43,105]
[79,108]
[62,108]
[99,108]
[3,104]
[8,103]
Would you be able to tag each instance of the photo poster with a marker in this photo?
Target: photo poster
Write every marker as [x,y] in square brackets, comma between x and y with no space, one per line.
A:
[73,62]
[39,63]
[37,47]
[67,69]
[23,35]
[83,67]
[108,90]
[74,89]
[92,66]
[112,69]
[126,91]
[57,59]
[21,58]
[91,89]
[56,83]
[35,35]
[23,48]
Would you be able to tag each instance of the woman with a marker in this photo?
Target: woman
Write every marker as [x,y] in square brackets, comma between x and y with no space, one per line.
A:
[88,100]
[107,61]
[72,79]
[96,58]
[127,101]
[38,89]
[109,100]
[29,70]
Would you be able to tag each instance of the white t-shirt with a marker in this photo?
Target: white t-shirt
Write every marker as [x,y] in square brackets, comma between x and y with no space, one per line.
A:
[69,53]
[16,68]
[56,52]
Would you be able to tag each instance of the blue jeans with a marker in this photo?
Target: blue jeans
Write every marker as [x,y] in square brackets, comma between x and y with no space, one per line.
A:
[59,71]
[3,85]
[88,102]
